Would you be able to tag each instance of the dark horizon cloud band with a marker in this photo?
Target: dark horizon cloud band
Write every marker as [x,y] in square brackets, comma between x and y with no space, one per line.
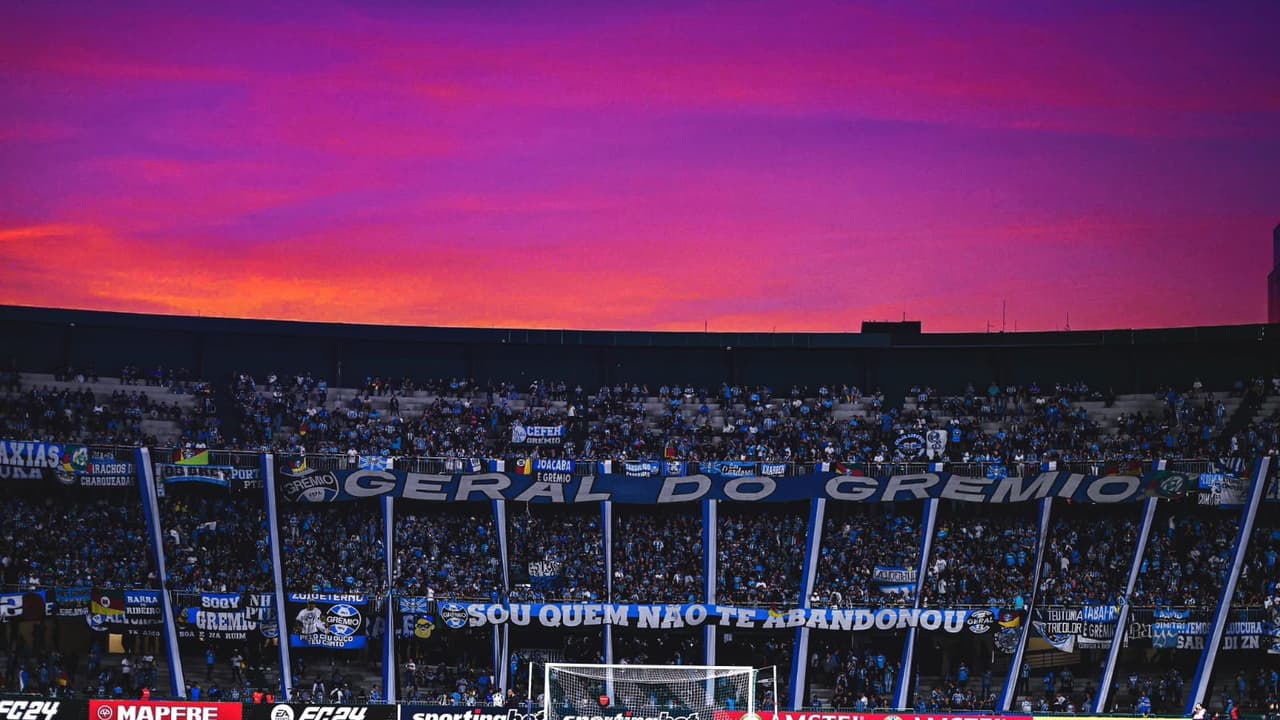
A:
[746,166]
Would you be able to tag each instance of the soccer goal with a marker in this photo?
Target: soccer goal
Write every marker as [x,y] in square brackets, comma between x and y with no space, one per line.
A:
[657,692]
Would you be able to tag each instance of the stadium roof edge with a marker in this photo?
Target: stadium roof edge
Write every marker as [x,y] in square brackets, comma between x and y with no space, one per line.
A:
[14,314]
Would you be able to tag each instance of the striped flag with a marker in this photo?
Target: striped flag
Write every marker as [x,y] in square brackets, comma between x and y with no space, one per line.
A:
[107,602]
[200,458]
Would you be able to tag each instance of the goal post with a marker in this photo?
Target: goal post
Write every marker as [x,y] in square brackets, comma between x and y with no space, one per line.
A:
[572,691]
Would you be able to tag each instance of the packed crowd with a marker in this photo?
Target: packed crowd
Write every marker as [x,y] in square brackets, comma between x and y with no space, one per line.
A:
[460,418]
[74,541]
[869,556]
[215,542]
[1260,576]
[657,558]
[1088,558]
[443,554]
[556,555]
[332,549]
[760,554]
[982,560]
[1187,557]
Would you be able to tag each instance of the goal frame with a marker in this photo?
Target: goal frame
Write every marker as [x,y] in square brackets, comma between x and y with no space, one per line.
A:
[751,672]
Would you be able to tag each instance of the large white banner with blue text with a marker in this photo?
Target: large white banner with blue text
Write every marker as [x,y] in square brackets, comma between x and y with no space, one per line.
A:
[555,481]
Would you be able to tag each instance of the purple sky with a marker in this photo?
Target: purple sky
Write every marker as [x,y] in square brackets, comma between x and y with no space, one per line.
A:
[789,165]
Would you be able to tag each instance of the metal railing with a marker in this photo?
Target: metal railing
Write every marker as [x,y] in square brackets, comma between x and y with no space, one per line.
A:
[589,466]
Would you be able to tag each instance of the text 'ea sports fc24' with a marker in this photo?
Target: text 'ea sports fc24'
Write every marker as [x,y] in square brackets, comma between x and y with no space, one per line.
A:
[653,692]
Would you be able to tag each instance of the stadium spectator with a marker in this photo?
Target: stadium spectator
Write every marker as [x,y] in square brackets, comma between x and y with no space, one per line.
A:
[559,553]
[1186,560]
[1087,560]
[333,549]
[657,558]
[448,553]
[75,540]
[215,542]
[869,556]
[982,560]
[760,555]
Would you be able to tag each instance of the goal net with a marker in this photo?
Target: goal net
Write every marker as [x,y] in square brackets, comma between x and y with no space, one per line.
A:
[646,692]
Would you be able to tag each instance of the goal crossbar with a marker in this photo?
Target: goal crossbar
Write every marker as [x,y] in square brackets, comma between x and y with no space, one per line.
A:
[591,690]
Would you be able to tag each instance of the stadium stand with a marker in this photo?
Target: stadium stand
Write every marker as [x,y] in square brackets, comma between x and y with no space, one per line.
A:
[216,541]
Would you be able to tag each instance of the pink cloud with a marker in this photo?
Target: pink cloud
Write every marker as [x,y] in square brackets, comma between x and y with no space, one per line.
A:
[805,166]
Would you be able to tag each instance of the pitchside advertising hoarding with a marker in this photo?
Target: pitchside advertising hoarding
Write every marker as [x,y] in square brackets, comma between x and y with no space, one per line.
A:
[836,715]
[29,709]
[295,711]
[47,709]
[163,710]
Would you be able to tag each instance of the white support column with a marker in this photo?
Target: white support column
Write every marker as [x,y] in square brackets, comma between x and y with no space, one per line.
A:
[151,513]
[709,584]
[1122,618]
[800,655]
[606,520]
[902,694]
[500,521]
[1015,663]
[709,550]
[389,641]
[277,567]
[1204,672]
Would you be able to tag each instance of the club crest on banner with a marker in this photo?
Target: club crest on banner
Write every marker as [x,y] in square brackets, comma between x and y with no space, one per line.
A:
[453,615]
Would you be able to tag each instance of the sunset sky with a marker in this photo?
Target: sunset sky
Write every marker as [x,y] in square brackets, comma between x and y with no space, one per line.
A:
[749,165]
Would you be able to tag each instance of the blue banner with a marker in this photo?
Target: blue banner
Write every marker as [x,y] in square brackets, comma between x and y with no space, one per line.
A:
[1071,628]
[537,434]
[894,579]
[335,621]
[729,468]
[25,460]
[112,608]
[106,472]
[22,606]
[46,456]
[376,462]
[72,601]
[171,473]
[228,616]
[547,470]
[630,468]
[457,615]
[553,481]
[1186,629]
[418,605]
